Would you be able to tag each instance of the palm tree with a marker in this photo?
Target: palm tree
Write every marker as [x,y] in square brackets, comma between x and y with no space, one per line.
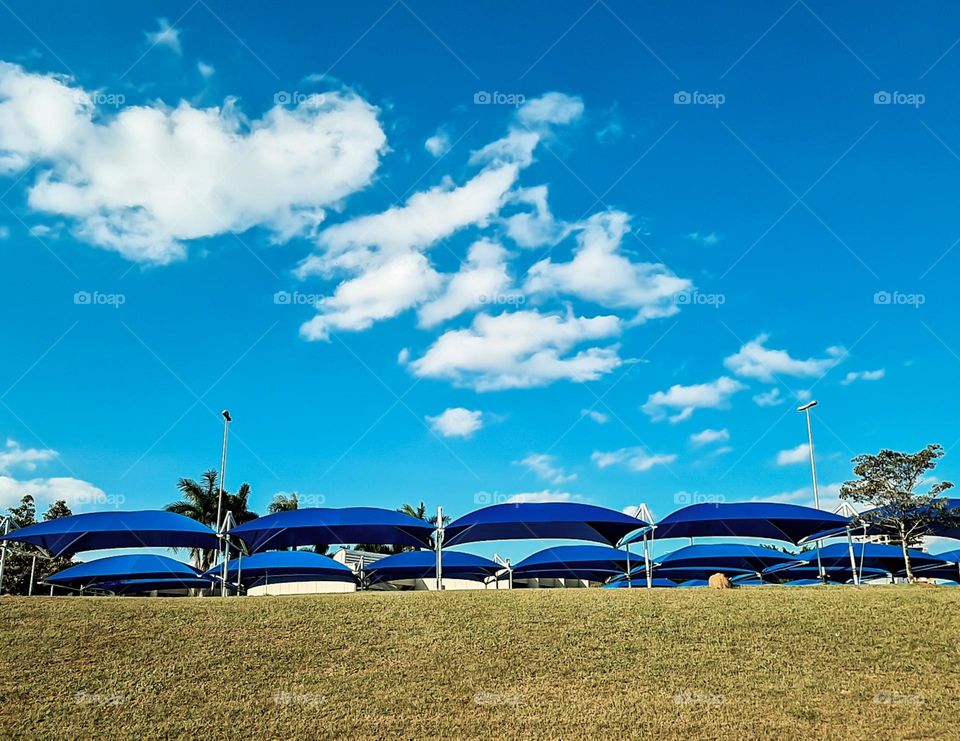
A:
[420,513]
[284,503]
[199,503]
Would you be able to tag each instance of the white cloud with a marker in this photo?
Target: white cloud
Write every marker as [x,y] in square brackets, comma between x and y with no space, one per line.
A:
[542,496]
[403,357]
[16,456]
[874,375]
[707,240]
[798,454]
[483,279]
[769,398]
[75,492]
[4,231]
[438,144]
[753,360]
[687,399]
[829,496]
[521,349]
[165,35]
[456,422]
[636,459]
[551,108]
[708,436]
[599,417]
[545,467]
[205,70]
[537,227]
[600,273]
[149,178]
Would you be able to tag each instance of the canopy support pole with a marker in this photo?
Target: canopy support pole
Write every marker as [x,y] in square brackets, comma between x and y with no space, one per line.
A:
[853,559]
[439,548]
[3,551]
[646,561]
[33,570]
[239,570]
[629,577]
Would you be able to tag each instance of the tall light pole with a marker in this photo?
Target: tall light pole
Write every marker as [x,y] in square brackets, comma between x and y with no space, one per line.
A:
[813,472]
[227,419]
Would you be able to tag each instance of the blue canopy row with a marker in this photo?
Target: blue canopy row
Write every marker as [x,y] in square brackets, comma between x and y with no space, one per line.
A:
[423,565]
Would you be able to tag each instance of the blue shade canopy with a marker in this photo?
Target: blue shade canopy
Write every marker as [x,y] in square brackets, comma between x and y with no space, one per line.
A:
[325,525]
[274,567]
[591,562]
[141,586]
[720,557]
[118,568]
[535,520]
[807,583]
[877,556]
[837,572]
[695,583]
[100,530]
[767,520]
[636,583]
[423,565]
[879,529]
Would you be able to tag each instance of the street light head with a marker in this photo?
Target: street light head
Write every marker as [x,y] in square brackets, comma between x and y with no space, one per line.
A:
[226,415]
[808,405]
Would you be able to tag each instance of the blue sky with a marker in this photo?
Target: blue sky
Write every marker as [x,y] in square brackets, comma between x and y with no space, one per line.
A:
[587,251]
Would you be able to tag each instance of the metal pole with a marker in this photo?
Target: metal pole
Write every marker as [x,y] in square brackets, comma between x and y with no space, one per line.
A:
[439,546]
[853,559]
[816,488]
[223,481]
[646,561]
[3,551]
[33,569]
[239,570]
[629,575]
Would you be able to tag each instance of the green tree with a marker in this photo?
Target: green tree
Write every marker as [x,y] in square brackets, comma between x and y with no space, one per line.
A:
[199,503]
[419,512]
[20,556]
[887,482]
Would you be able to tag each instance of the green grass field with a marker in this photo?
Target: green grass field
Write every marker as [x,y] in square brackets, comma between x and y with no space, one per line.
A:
[877,662]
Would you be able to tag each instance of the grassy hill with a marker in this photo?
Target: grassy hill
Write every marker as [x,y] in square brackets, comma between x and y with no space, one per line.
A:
[881,662]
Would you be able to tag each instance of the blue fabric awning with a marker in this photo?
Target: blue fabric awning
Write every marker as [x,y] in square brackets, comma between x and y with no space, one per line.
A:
[590,562]
[117,568]
[329,526]
[768,520]
[807,583]
[423,565]
[836,571]
[538,520]
[637,583]
[887,558]
[720,557]
[96,531]
[878,529]
[141,586]
[275,567]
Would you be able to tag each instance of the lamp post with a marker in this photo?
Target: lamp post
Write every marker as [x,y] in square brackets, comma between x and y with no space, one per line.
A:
[813,472]
[227,419]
